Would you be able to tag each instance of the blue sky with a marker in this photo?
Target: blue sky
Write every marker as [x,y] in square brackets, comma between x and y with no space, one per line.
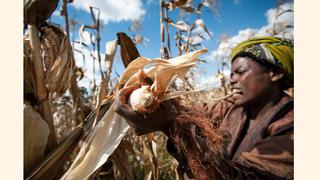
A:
[233,16]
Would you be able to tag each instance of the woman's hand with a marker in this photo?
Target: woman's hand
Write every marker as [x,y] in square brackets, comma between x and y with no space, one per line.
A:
[141,123]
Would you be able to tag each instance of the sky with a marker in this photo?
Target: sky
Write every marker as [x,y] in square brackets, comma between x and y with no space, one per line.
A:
[238,19]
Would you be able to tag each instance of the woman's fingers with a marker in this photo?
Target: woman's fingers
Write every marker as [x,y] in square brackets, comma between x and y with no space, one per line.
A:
[124,109]
[124,94]
[131,116]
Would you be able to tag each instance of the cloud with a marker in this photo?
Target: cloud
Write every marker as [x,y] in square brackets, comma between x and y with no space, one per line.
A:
[152,2]
[210,81]
[278,24]
[87,65]
[236,2]
[221,54]
[115,11]
[280,21]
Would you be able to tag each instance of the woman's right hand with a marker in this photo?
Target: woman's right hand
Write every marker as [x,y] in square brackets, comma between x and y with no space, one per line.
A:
[158,120]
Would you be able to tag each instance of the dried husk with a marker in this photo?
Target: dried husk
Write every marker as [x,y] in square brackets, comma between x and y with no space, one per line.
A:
[98,146]
[51,166]
[111,48]
[28,70]
[163,73]
[35,137]
[128,50]
[38,11]
[57,57]
[120,158]
[60,63]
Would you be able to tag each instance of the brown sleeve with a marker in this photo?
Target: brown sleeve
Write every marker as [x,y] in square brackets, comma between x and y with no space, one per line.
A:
[273,154]
[190,142]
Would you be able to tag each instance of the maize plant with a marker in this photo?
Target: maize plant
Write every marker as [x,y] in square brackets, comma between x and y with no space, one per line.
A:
[109,131]
[48,66]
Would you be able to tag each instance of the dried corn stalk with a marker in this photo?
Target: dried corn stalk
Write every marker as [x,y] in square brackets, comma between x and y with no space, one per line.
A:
[107,134]
[57,59]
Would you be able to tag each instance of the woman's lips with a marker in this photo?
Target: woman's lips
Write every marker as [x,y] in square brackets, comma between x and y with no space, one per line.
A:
[237,93]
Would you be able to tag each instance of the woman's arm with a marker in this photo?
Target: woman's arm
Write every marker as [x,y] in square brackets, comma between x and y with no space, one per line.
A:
[203,151]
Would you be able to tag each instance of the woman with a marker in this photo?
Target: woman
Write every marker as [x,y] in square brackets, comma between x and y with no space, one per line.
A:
[247,136]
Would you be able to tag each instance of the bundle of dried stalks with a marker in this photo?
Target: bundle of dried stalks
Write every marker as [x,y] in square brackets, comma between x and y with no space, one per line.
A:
[48,66]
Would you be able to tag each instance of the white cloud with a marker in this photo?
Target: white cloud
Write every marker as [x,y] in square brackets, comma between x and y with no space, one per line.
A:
[152,2]
[276,21]
[111,10]
[210,82]
[236,2]
[87,66]
[223,51]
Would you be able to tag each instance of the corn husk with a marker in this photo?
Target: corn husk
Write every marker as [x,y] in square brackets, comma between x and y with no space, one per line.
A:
[29,80]
[109,131]
[128,50]
[51,166]
[111,48]
[38,11]
[99,145]
[36,132]
[58,58]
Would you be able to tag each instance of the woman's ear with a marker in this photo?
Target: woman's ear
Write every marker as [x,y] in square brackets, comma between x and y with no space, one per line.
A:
[276,75]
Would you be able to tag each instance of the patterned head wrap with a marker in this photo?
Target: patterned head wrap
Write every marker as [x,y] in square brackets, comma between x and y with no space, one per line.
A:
[270,50]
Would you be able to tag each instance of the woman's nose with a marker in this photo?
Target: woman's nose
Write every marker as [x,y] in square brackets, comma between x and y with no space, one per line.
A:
[233,79]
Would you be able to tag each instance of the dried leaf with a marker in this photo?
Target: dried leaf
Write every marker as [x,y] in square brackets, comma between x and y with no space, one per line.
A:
[128,50]
[59,76]
[125,144]
[178,3]
[181,25]
[28,69]
[79,72]
[98,146]
[154,149]
[188,9]
[120,158]
[38,11]
[81,31]
[201,24]
[111,48]
[133,67]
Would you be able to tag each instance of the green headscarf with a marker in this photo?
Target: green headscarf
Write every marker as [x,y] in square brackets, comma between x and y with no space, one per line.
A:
[273,50]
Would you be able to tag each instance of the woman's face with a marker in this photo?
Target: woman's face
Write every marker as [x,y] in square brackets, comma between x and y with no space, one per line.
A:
[249,81]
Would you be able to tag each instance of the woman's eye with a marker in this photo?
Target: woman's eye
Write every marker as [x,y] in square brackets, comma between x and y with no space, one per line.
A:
[241,71]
